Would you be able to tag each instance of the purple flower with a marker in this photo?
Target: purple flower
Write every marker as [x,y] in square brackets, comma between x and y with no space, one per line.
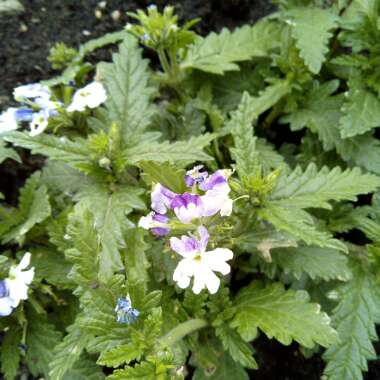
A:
[157,223]
[195,176]
[217,179]
[161,198]
[187,207]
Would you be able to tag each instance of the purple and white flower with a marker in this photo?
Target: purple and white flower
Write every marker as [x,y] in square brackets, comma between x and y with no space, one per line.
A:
[157,223]
[195,175]
[216,198]
[15,287]
[199,263]
[91,96]
[187,207]
[161,198]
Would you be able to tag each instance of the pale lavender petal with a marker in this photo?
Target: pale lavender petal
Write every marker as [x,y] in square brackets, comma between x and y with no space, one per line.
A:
[204,236]
[161,198]
[216,179]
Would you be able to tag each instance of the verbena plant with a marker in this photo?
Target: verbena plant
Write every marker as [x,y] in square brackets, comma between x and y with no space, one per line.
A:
[282,115]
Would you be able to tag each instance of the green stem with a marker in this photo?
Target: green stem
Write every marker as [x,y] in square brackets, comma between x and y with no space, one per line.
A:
[164,61]
[182,330]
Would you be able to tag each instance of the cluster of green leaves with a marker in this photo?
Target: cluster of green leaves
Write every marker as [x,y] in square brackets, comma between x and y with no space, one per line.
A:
[292,104]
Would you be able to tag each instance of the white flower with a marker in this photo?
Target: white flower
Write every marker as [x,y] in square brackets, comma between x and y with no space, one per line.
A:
[8,120]
[39,122]
[199,263]
[31,91]
[90,96]
[18,281]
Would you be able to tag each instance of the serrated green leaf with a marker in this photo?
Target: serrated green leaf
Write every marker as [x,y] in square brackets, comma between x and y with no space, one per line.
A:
[315,188]
[299,224]
[239,350]
[10,352]
[142,371]
[129,95]
[354,318]
[226,369]
[361,113]
[41,338]
[309,114]
[282,314]
[218,53]
[68,352]
[6,153]
[85,252]
[136,263]
[164,173]
[180,151]
[311,28]
[110,211]
[324,263]
[84,369]
[59,149]
[34,208]
[120,355]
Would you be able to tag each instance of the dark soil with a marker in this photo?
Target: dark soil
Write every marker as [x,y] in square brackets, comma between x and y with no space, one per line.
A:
[25,40]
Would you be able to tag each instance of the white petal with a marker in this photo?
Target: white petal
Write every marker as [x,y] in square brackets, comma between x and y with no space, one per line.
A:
[183,273]
[146,222]
[216,260]
[212,282]
[226,208]
[25,261]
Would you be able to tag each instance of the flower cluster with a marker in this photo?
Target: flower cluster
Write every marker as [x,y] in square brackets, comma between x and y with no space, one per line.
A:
[37,106]
[15,288]
[125,313]
[207,195]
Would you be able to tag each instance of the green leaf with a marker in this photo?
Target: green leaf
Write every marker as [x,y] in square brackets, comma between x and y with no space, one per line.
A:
[239,350]
[311,28]
[142,371]
[120,355]
[164,173]
[136,263]
[129,93]
[84,369]
[85,252]
[226,369]
[282,314]
[300,224]
[309,115]
[354,318]
[60,177]
[244,153]
[315,188]
[6,153]
[10,352]
[361,113]
[110,211]
[34,208]
[218,53]
[324,263]
[59,149]
[41,338]
[180,151]
[68,352]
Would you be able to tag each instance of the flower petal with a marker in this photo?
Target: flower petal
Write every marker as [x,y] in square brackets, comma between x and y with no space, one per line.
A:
[216,260]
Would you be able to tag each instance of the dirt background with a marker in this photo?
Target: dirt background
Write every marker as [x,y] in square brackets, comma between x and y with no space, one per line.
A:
[25,40]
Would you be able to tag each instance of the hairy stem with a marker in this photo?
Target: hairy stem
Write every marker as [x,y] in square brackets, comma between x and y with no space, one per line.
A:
[182,330]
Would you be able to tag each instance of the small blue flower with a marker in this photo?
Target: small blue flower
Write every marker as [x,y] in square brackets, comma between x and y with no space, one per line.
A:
[124,311]
[5,302]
